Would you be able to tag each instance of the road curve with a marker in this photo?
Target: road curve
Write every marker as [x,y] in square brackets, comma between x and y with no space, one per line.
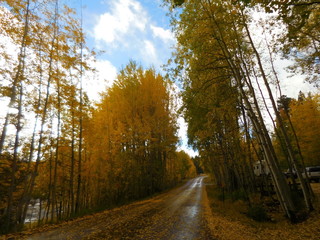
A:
[177,214]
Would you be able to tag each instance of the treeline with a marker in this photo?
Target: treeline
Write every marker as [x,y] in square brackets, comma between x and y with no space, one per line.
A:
[301,118]
[225,58]
[131,139]
[56,147]
[128,150]
[42,100]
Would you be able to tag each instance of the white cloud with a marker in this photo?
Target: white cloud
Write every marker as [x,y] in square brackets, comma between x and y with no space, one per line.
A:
[292,84]
[164,34]
[149,52]
[103,78]
[128,30]
[124,17]
[183,126]
[182,134]
[106,71]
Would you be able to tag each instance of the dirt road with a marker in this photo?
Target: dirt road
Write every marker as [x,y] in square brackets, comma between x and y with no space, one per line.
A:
[177,214]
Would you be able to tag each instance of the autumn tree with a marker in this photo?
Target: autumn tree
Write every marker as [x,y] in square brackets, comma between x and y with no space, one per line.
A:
[185,167]
[301,38]
[304,116]
[228,59]
[134,136]
[36,83]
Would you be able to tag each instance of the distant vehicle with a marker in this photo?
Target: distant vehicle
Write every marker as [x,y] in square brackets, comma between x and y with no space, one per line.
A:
[313,173]
[261,168]
[289,174]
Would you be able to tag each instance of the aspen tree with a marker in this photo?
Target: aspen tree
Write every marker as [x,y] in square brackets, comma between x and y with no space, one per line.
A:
[227,44]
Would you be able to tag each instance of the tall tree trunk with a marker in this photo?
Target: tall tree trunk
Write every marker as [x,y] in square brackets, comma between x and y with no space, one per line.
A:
[56,161]
[305,189]
[248,147]
[12,222]
[22,202]
[43,121]
[49,198]
[19,74]
[72,160]
[57,147]
[309,189]
[258,122]
[77,207]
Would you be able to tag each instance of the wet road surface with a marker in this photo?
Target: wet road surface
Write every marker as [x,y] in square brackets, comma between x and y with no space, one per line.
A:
[177,214]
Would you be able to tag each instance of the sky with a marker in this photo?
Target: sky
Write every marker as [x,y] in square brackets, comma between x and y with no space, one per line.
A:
[121,31]
[124,30]
[139,30]
[129,29]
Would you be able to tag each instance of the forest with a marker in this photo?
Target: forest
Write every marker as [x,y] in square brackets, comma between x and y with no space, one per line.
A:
[230,79]
[58,147]
[75,156]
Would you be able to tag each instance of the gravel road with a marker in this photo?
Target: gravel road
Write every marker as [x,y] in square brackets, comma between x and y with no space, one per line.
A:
[176,214]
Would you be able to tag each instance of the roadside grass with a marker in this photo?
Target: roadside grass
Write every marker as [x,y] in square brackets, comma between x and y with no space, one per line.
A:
[262,219]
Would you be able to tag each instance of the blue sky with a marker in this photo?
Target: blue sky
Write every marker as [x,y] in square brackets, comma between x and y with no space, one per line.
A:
[124,30]
[140,30]
[127,30]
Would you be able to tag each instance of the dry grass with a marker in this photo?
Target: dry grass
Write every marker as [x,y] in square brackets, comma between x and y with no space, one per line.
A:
[228,220]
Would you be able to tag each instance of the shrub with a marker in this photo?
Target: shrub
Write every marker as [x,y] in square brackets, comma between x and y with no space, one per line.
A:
[258,213]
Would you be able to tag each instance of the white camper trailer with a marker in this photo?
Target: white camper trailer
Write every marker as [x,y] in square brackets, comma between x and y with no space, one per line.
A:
[261,168]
